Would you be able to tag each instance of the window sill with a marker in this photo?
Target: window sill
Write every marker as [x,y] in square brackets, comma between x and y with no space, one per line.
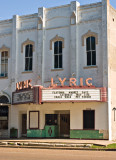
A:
[90,67]
[27,72]
[59,69]
[3,77]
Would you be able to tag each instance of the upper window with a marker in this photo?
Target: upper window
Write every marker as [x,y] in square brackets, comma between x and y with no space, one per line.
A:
[58,54]
[4,64]
[28,48]
[51,119]
[91,51]
[28,57]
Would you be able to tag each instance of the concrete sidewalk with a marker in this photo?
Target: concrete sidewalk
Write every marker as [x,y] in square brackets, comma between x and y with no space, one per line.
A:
[59,141]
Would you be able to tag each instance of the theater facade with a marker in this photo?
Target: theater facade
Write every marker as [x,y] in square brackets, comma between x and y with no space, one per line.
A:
[58,73]
[60,111]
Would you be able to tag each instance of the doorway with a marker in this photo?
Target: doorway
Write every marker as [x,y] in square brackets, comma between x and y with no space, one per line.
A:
[65,125]
[24,125]
[89,119]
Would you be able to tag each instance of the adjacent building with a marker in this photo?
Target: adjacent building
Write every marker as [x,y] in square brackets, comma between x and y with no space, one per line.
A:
[57,73]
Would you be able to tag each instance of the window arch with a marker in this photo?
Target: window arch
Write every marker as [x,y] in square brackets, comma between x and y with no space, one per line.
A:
[56,38]
[91,51]
[28,57]
[89,34]
[5,98]
[26,43]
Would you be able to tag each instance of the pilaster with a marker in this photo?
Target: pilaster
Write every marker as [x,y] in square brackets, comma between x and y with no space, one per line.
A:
[74,38]
[41,44]
[14,52]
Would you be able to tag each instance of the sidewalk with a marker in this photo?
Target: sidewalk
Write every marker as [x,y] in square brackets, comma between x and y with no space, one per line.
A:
[65,141]
[69,144]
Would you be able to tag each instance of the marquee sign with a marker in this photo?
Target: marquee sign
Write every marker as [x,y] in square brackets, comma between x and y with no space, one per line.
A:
[26,93]
[71,95]
[25,96]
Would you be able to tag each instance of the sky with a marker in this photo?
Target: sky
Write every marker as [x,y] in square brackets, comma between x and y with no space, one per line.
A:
[8,8]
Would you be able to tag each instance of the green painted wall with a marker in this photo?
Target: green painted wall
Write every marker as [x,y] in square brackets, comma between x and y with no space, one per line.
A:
[52,131]
[86,134]
[48,131]
[35,133]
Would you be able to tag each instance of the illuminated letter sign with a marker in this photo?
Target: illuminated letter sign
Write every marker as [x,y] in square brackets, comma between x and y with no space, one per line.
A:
[24,85]
[72,82]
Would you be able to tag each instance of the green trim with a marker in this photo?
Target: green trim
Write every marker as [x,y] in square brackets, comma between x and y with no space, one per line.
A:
[86,134]
[35,133]
[48,131]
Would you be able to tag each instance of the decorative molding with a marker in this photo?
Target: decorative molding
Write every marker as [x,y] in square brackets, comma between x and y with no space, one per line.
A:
[40,23]
[73,15]
[62,6]
[26,43]
[24,17]
[8,21]
[5,34]
[90,20]
[57,70]
[57,27]
[4,48]
[89,34]
[27,29]
[90,67]
[27,72]
[93,5]
[56,38]
[73,18]
[3,78]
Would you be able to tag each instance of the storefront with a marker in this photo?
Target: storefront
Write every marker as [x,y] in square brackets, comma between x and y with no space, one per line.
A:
[61,112]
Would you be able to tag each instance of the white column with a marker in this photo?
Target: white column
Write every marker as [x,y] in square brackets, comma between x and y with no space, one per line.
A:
[109,114]
[41,42]
[27,119]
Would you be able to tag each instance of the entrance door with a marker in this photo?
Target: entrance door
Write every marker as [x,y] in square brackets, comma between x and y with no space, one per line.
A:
[89,119]
[64,125]
[24,124]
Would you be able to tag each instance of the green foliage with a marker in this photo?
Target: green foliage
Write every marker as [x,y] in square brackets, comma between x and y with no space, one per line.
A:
[110,146]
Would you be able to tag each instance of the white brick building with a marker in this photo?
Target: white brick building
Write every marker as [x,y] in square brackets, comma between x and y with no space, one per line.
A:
[64,41]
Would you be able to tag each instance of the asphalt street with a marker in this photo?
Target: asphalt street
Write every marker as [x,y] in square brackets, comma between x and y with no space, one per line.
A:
[53,154]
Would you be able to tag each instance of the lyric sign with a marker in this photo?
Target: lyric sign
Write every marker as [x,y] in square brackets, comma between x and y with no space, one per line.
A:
[71,95]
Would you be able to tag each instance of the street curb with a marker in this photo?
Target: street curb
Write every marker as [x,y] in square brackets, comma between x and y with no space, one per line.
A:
[60,148]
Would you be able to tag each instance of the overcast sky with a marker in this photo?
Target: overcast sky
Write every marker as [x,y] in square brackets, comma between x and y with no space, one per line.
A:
[8,8]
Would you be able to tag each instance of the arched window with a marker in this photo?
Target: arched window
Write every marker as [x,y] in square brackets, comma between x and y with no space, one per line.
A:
[58,54]
[28,57]
[4,99]
[4,64]
[91,51]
